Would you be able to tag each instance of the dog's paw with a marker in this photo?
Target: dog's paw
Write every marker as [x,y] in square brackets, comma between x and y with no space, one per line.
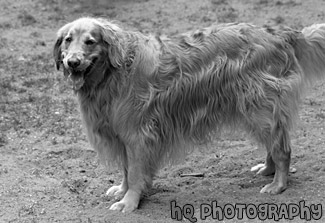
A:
[292,170]
[129,202]
[124,206]
[262,169]
[257,167]
[273,188]
[116,191]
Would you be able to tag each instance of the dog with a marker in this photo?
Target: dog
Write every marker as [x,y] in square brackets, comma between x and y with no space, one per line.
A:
[147,100]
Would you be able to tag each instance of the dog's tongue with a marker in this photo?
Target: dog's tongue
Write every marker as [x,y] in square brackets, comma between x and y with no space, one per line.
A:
[77,81]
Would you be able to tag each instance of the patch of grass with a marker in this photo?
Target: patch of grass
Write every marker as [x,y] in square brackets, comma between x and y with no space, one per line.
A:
[193,17]
[219,2]
[229,14]
[76,185]
[320,115]
[278,20]
[40,43]
[206,18]
[216,5]
[3,137]
[6,86]
[35,34]
[279,3]
[56,17]
[26,18]
[31,65]
[26,101]
[289,3]
[27,210]
[263,2]
[3,42]
[38,83]
[6,25]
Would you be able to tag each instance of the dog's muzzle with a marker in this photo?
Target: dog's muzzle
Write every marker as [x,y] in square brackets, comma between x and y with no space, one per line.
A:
[74,63]
[74,70]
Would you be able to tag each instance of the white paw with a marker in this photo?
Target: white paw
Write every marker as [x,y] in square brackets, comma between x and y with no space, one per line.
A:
[292,170]
[273,188]
[124,206]
[116,191]
[257,167]
[129,202]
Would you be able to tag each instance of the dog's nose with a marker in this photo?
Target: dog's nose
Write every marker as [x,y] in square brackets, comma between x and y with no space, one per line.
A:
[73,62]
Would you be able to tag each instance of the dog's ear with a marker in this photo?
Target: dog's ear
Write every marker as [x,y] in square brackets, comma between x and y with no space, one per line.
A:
[57,52]
[113,39]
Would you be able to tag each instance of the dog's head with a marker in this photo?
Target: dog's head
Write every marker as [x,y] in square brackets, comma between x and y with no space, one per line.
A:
[86,48]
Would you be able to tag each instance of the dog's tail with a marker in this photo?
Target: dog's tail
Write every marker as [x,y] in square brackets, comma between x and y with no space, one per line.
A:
[310,52]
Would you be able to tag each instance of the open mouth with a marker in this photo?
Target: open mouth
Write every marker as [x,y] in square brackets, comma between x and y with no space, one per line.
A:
[76,78]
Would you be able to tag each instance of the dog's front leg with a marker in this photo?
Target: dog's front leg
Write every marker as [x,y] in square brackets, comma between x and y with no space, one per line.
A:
[119,190]
[139,177]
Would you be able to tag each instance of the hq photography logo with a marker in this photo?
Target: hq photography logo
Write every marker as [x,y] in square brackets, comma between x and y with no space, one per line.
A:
[265,211]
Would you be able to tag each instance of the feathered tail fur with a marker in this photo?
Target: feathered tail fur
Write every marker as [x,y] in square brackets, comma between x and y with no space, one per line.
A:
[310,52]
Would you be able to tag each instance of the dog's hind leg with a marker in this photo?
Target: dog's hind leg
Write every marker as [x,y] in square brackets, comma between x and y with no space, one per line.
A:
[273,132]
[279,157]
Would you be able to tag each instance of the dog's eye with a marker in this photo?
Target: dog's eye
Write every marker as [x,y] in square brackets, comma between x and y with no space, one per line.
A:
[90,42]
[68,39]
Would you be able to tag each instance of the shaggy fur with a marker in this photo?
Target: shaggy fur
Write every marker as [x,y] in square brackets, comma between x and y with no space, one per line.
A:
[147,100]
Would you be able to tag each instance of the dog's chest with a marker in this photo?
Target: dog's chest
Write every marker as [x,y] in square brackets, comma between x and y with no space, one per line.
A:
[96,116]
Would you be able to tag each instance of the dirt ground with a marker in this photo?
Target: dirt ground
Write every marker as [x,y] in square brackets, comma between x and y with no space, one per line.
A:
[49,173]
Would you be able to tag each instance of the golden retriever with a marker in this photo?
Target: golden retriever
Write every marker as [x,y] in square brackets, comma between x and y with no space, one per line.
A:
[146,100]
